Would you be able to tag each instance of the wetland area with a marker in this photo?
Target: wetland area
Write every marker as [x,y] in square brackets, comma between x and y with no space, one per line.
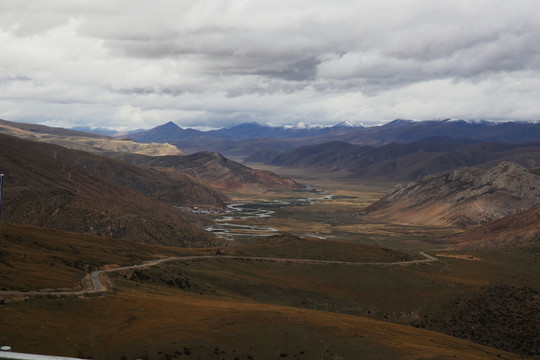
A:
[234,222]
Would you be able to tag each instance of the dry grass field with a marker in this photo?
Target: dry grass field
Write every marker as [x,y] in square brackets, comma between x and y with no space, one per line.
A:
[162,324]
[39,258]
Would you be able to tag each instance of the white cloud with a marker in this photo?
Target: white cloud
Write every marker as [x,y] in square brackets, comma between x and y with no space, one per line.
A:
[126,64]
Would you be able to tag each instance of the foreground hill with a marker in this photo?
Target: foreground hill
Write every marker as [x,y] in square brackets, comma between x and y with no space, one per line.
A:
[84,141]
[50,186]
[502,316]
[219,308]
[218,172]
[468,196]
[401,161]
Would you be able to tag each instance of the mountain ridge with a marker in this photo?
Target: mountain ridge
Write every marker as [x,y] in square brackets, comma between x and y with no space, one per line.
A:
[401,131]
[84,141]
[218,172]
[50,186]
[464,197]
[401,161]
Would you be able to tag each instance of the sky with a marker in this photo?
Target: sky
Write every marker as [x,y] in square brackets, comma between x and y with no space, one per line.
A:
[132,64]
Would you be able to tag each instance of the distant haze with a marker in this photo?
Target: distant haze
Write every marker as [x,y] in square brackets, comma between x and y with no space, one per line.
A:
[209,64]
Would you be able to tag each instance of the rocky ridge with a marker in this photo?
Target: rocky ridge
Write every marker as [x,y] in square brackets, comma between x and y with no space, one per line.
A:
[467,196]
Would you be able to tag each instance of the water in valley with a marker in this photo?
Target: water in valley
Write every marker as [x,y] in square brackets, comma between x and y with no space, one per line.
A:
[226,226]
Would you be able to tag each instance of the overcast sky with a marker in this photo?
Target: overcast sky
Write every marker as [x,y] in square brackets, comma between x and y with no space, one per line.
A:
[128,64]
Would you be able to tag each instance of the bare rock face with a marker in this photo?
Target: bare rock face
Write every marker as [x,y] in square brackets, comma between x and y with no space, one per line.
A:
[468,196]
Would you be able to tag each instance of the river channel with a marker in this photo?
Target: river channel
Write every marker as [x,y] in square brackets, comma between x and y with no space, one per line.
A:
[226,226]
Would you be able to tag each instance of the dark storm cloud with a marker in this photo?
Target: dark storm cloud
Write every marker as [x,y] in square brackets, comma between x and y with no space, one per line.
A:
[302,70]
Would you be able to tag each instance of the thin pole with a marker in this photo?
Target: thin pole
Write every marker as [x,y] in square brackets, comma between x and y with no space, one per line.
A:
[1,191]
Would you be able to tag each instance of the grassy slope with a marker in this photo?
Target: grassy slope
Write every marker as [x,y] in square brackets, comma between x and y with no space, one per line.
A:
[251,308]
[35,258]
[288,246]
[147,322]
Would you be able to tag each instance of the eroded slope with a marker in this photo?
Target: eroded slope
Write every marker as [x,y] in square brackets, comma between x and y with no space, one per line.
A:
[467,196]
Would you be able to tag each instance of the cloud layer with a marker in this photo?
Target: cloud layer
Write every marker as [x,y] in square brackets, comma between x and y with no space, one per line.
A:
[132,64]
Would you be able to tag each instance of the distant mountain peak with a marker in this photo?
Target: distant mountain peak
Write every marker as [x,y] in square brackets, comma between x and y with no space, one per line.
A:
[349,124]
[398,122]
[248,125]
[169,125]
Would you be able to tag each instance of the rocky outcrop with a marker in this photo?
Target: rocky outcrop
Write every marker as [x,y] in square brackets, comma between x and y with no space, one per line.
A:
[468,196]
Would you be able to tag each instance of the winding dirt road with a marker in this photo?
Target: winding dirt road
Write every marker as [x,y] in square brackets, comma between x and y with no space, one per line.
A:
[96,285]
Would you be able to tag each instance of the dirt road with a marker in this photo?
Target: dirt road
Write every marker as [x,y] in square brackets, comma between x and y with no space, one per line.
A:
[96,285]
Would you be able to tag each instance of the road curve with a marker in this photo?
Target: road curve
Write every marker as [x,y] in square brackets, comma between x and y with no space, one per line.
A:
[97,285]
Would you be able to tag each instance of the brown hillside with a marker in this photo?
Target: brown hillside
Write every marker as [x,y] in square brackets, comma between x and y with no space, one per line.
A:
[520,228]
[218,172]
[50,186]
[203,309]
[42,129]
[501,316]
[468,196]
[83,141]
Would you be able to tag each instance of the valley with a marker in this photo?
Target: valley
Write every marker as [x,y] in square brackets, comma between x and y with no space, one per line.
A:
[250,217]
[365,282]
[222,260]
[257,180]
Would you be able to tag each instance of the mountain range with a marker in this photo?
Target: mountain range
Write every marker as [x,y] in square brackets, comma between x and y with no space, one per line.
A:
[242,131]
[64,182]
[95,191]
[295,291]
[225,174]
[239,140]
[401,161]
[244,139]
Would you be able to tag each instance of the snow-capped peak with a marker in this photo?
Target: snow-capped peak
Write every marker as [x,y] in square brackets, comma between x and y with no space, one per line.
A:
[349,124]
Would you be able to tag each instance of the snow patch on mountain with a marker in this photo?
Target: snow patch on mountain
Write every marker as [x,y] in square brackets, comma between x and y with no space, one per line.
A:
[349,124]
